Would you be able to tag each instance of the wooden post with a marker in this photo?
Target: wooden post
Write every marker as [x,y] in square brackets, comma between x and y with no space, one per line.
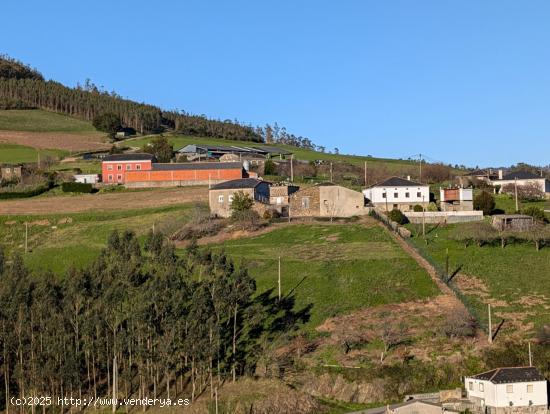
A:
[516,192]
[279,278]
[447,262]
[26,237]
[216,400]
[423,217]
[331,171]
[490,325]
[292,167]
[365,174]
[420,167]
[530,356]
[115,381]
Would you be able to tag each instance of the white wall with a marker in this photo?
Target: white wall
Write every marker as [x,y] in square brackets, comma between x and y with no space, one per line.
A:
[496,395]
[375,195]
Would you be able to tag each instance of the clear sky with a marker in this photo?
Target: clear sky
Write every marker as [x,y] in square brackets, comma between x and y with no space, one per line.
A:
[463,81]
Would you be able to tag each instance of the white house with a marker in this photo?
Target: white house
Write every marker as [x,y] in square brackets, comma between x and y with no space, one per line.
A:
[87,178]
[523,178]
[398,193]
[456,199]
[496,391]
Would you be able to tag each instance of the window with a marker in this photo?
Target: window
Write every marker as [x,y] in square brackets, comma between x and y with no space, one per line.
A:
[305,202]
[407,195]
[471,386]
[509,388]
[128,167]
[529,388]
[220,198]
[419,194]
[395,195]
[481,387]
[279,200]
[110,167]
[383,195]
[230,198]
[119,177]
[119,167]
[110,177]
[138,166]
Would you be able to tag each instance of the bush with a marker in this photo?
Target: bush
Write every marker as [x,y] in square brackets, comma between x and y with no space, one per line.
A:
[535,212]
[526,192]
[70,187]
[6,195]
[432,207]
[484,202]
[418,208]
[270,168]
[397,216]
[241,202]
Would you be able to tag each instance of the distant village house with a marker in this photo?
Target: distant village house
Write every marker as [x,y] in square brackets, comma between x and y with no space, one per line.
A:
[398,193]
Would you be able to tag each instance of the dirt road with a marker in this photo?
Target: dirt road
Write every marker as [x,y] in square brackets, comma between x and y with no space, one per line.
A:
[104,202]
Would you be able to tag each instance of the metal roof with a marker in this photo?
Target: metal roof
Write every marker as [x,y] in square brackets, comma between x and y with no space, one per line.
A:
[509,375]
[191,148]
[198,166]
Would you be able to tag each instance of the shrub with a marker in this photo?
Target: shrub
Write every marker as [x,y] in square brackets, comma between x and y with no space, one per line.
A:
[6,195]
[418,208]
[535,212]
[432,207]
[270,168]
[241,202]
[397,216]
[484,202]
[526,192]
[70,187]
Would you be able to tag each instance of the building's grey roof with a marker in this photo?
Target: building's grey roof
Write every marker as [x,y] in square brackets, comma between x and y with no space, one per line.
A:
[130,157]
[192,148]
[238,184]
[509,375]
[197,166]
[397,182]
[521,175]
[485,173]
[383,409]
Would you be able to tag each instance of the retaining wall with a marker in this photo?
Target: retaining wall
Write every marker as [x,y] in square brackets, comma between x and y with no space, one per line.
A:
[444,217]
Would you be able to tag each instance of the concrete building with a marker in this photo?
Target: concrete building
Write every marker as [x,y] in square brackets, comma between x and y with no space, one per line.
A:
[508,390]
[9,172]
[327,200]
[523,178]
[87,178]
[142,170]
[203,152]
[221,195]
[456,199]
[398,193]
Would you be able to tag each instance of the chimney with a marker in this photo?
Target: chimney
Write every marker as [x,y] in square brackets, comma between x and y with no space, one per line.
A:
[500,174]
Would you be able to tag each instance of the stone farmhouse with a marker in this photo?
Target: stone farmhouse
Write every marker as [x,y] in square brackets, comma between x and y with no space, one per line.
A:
[221,195]
[397,193]
[508,390]
[142,170]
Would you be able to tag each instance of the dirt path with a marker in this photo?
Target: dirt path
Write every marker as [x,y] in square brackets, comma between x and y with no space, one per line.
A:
[104,202]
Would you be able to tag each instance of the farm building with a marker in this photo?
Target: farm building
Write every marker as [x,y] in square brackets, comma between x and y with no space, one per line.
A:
[86,178]
[201,152]
[279,197]
[221,195]
[398,193]
[327,200]
[456,199]
[523,178]
[508,390]
[141,170]
[514,222]
[486,175]
[10,172]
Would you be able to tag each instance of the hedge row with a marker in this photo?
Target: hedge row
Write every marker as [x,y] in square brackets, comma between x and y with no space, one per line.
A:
[24,194]
[71,187]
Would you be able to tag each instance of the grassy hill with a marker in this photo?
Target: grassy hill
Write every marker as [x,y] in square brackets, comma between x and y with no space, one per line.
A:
[36,120]
[12,153]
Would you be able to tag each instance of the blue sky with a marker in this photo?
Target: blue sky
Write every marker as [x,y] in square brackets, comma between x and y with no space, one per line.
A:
[461,81]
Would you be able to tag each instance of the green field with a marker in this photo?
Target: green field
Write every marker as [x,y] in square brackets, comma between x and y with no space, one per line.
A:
[42,121]
[516,278]
[507,203]
[180,141]
[335,268]
[57,242]
[11,153]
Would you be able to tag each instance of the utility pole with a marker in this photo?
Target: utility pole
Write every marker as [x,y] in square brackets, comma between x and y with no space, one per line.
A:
[420,166]
[516,192]
[292,167]
[26,237]
[115,383]
[530,356]
[331,171]
[423,218]
[365,174]
[153,227]
[490,325]
[279,278]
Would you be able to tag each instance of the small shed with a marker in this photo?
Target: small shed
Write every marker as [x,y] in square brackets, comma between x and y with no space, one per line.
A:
[86,178]
[514,222]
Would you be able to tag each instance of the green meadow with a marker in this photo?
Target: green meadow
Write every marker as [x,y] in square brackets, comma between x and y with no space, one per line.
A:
[12,153]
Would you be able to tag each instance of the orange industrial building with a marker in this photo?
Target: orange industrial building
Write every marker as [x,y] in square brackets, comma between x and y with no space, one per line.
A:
[141,170]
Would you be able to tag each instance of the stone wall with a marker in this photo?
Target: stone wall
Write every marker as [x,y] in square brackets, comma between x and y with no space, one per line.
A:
[444,217]
[296,203]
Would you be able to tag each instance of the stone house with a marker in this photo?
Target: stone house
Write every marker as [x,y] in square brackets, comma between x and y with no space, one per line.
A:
[327,200]
[221,195]
[9,172]
[508,390]
[514,222]
[279,197]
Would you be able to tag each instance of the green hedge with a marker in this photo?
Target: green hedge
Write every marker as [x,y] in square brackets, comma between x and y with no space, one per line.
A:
[23,194]
[71,187]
